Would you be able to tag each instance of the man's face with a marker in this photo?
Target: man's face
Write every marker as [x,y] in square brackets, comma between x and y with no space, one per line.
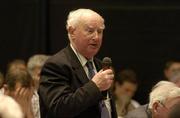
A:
[174,67]
[163,109]
[87,36]
[126,89]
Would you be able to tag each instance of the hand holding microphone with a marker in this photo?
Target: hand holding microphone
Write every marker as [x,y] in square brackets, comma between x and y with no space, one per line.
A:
[104,78]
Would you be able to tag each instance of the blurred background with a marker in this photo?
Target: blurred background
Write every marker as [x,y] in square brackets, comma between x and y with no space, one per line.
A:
[141,35]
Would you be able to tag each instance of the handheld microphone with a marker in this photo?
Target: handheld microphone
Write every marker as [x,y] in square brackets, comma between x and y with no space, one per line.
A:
[106,64]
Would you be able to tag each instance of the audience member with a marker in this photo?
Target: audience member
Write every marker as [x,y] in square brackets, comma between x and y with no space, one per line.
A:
[163,97]
[16,64]
[18,85]
[34,65]
[170,67]
[125,87]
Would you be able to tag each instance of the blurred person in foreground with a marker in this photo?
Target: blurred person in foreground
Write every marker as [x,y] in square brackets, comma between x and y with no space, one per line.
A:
[125,87]
[16,64]
[18,70]
[18,85]
[9,108]
[72,81]
[163,97]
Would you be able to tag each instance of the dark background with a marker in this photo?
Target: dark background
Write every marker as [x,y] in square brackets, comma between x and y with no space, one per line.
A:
[140,34]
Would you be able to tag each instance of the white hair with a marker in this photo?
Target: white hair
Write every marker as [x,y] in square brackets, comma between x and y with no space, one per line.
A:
[162,91]
[9,108]
[37,60]
[74,17]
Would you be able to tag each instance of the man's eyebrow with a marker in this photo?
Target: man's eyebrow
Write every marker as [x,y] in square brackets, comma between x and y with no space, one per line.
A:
[91,27]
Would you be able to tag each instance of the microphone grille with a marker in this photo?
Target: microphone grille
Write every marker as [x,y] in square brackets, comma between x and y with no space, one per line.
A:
[107,60]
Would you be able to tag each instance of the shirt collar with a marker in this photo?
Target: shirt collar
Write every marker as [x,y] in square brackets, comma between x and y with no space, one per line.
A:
[80,57]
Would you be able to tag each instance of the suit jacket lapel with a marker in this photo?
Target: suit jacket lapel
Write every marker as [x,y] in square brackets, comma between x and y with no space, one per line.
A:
[97,64]
[76,65]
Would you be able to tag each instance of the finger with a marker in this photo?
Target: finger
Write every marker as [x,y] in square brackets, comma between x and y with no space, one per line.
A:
[17,92]
[22,92]
[109,76]
[108,71]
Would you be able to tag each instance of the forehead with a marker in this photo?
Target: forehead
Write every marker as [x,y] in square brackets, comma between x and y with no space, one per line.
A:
[175,65]
[92,20]
[129,85]
[172,101]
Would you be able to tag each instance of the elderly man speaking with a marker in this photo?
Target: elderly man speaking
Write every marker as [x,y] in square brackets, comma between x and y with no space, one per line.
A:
[72,80]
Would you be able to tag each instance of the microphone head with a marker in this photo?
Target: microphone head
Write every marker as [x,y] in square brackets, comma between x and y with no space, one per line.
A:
[106,63]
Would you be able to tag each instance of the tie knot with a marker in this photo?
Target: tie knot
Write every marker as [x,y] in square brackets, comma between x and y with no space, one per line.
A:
[89,65]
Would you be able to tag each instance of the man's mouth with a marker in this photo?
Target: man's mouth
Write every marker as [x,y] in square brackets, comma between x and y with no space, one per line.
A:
[94,45]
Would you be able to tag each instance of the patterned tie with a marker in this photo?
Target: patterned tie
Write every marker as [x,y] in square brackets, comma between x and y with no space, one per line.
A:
[103,108]
[90,67]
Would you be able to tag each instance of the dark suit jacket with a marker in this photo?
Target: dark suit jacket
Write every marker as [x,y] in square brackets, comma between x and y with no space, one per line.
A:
[65,91]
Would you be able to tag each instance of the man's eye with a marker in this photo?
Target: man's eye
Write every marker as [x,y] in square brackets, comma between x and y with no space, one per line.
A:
[90,30]
[100,31]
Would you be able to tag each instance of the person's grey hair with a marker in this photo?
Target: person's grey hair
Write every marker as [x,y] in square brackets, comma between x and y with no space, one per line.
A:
[74,18]
[37,60]
[9,108]
[162,91]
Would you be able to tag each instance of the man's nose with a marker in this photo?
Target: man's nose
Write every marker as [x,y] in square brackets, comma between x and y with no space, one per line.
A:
[96,35]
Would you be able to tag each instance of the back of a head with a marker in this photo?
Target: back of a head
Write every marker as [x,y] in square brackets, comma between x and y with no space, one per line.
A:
[15,76]
[16,64]
[9,108]
[37,60]
[162,91]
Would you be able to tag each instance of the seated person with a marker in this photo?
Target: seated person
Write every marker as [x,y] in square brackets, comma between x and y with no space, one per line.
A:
[164,96]
[34,65]
[19,85]
[125,87]
[19,64]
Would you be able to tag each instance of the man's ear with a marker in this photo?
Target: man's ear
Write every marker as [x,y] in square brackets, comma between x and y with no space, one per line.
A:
[155,107]
[71,31]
